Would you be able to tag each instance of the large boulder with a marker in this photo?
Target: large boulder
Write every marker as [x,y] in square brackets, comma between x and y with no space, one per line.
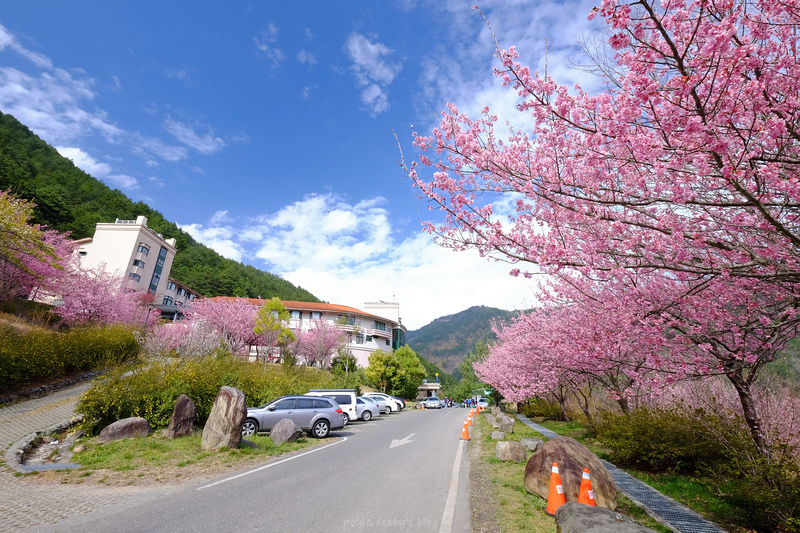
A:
[572,457]
[574,517]
[182,422]
[531,445]
[505,424]
[224,426]
[126,428]
[497,435]
[492,420]
[285,431]
[510,450]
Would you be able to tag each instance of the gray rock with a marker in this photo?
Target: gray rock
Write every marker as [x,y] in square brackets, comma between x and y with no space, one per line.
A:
[572,457]
[79,448]
[495,410]
[285,431]
[497,435]
[224,426]
[492,420]
[125,429]
[574,517]
[531,445]
[510,450]
[182,422]
[506,424]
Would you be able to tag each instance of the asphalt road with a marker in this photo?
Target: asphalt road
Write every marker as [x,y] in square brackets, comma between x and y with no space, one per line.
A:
[407,471]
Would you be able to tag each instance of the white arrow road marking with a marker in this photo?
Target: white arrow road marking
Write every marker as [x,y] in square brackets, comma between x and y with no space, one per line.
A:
[396,442]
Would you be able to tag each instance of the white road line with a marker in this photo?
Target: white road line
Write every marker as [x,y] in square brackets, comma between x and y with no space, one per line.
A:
[450,504]
[268,465]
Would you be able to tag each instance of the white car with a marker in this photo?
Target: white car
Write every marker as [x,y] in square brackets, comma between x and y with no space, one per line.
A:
[367,409]
[432,403]
[392,405]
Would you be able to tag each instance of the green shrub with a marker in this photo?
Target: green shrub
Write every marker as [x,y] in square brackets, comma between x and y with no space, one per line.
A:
[659,440]
[149,390]
[43,354]
[540,407]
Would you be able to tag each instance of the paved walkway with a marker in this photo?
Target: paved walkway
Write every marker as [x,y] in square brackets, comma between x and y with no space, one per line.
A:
[663,508]
[24,504]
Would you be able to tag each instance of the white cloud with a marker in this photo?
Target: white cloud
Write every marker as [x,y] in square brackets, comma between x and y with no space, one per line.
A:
[306,57]
[347,253]
[7,40]
[205,144]
[265,44]
[97,169]
[219,239]
[372,72]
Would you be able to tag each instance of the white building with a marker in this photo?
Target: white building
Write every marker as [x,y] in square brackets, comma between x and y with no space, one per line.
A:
[133,251]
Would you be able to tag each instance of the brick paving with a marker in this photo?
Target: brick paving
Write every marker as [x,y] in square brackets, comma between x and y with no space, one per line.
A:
[25,505]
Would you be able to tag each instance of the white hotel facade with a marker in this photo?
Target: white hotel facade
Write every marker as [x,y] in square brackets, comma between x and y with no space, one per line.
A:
[130,249]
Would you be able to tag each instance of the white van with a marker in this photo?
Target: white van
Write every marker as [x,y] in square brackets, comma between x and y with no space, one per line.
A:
[346,398]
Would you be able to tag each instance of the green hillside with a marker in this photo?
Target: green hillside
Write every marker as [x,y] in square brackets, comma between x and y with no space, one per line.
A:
[69,199]
[447,340]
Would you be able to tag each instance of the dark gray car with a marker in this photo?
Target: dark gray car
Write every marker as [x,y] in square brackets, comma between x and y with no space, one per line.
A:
[315,415]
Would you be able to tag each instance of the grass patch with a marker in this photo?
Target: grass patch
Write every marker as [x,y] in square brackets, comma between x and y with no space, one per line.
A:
[700,495]
[156,460]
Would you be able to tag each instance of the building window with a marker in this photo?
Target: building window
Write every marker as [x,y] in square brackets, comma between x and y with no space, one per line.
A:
[138,263]
[162,258]
[171,286]
[348,320]
[134,277]
[359,339]
[388,343]
[369,338]
[380,326]
[316,315]
[167,300]
[191,297]
[143,249]
[297,315]
[181,292]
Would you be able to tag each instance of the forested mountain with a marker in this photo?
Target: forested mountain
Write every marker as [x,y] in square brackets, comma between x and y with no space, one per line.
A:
[69,199]
[447,340]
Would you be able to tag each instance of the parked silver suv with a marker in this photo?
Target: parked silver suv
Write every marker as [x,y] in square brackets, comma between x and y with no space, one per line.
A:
[316,416]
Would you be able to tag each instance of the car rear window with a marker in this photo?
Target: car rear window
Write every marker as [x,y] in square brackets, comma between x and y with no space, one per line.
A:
[342,399]
[322,403]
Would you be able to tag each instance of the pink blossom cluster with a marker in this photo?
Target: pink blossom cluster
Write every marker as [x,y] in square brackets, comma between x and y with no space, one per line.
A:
[665,206]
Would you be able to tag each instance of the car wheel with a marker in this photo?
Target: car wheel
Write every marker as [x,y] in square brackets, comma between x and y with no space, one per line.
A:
[346,418]
[321,429]
[388,409]
[366,415]
[249,428]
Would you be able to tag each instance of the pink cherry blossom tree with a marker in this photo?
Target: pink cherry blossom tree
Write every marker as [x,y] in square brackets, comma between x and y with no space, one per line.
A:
[233,318]
[321,342]
[94,296]
[675,189]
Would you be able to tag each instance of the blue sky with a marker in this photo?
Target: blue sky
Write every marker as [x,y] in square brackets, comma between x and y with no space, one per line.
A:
[264,129]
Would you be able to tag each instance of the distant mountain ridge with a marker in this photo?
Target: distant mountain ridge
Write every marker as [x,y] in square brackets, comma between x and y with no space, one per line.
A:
[69,199]
[448,339]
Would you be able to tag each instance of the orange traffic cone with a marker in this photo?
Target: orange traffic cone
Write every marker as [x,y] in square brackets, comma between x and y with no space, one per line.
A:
[586,494]
[469,420]
[555,497]
[465,432]
[423,406]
